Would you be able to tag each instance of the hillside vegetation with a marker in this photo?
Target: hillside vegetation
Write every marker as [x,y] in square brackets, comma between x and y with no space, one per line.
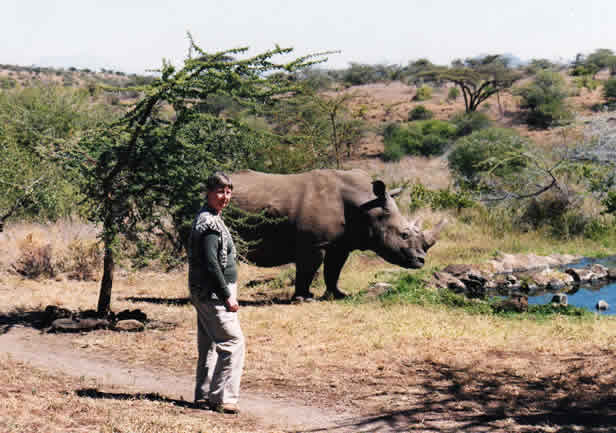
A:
[518,159]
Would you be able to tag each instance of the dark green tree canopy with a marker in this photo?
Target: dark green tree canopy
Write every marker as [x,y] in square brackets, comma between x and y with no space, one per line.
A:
[149,167]
[478,78]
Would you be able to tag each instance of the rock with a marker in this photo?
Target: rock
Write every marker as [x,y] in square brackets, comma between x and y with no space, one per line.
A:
[560,299]
[611,273]
[448,281]
[132,315]
[602,305]
[517,304]
[53,313]
[599,270]
[78,325]
[458,270]
[129,325]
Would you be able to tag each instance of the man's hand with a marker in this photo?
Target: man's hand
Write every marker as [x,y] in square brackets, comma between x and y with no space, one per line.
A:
[232,305]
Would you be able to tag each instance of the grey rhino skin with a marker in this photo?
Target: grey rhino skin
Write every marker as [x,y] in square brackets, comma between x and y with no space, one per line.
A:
[322,216]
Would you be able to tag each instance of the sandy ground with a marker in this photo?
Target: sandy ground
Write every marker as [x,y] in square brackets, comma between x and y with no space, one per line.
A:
[55,354]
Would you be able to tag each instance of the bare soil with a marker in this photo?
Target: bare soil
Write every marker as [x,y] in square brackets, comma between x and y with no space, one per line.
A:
[502,391]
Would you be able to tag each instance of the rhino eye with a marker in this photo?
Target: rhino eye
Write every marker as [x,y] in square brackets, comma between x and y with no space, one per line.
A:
[404,235]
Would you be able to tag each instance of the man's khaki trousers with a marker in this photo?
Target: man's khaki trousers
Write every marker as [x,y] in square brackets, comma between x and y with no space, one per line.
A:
[221,352]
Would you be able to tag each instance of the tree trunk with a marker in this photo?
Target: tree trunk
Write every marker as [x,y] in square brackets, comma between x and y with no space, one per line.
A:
[109,235]
[104,296]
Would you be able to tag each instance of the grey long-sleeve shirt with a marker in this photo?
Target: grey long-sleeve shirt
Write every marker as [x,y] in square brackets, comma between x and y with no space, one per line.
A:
[211,257]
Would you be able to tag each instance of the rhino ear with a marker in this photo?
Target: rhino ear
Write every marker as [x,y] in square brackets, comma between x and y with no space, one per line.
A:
[378,187]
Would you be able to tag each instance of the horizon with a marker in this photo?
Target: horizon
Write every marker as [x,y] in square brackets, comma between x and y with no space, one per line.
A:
[135,37]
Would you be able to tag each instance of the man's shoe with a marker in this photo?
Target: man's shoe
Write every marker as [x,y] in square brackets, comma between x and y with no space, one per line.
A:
[231,408]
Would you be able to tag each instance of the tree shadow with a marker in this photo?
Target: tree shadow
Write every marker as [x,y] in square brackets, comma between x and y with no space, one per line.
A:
[152,396]
[37,319]
[160,301]
[578,396]
[186,301]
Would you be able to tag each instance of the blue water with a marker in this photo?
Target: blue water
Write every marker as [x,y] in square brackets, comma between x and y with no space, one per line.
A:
[587,296]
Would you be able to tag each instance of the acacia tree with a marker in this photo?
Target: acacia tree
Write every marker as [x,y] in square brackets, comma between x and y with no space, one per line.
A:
[478,79]
[153,162]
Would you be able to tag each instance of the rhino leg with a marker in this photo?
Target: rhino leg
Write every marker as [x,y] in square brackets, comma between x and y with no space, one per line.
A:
[306,268]
[334,261]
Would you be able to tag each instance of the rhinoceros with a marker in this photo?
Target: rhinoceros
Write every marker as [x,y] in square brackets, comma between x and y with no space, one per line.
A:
[321,216]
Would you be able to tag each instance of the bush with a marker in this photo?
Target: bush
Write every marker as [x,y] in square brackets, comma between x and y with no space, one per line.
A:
[35,259]
[544,100]
[489,151]
[423,93]
[424,137]
[609,90]
[453,93]
[467,123]
[438,199]
[420,113]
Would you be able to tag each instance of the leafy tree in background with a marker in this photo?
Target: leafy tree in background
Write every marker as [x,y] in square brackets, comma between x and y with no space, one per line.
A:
[34,122]
[154,161]
[544,100]
[478,79]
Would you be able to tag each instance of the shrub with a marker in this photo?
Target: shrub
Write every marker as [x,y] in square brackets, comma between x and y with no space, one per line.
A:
[609,90]
[467,123]
[488,151]
[544,100]
[35,259]
[423,93]
[438,199]
[424,137]
[420,113]
[453,93]
[84,259]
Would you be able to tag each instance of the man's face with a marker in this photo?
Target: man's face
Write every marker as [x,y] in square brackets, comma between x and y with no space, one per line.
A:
[219,198]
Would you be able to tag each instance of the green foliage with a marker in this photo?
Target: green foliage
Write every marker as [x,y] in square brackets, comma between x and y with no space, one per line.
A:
[609,90]
[544,100]
[420,113]
[477,78]
[424,137]
[438,199]
[485,153]
[453,93]
[424,93]
[467,123]
[536,65]
[357,74]
[412,289]
[150,166]
[586,82]
[34,123]
[610,202]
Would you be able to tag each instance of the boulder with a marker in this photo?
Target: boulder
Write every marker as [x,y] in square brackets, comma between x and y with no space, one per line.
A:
[78,325]
[602,305]
[611,273]
[132,315]
[517,304]
[560,299]
[129,325]
[446,280]
[599,270]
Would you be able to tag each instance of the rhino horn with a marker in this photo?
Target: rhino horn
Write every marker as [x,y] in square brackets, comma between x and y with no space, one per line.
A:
[395,192]
[431,236]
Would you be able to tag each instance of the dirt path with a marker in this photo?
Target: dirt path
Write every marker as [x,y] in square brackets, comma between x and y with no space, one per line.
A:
[55,353]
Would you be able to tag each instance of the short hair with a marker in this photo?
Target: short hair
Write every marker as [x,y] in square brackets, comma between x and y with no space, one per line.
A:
[218,179]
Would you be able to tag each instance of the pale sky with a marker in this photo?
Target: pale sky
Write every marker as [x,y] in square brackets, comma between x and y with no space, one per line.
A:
[135,35]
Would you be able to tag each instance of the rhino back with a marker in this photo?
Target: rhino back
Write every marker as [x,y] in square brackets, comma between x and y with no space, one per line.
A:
[314,202]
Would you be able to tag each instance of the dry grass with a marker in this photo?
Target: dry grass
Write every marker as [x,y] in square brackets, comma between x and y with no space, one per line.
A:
[371,357]
[33,400]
